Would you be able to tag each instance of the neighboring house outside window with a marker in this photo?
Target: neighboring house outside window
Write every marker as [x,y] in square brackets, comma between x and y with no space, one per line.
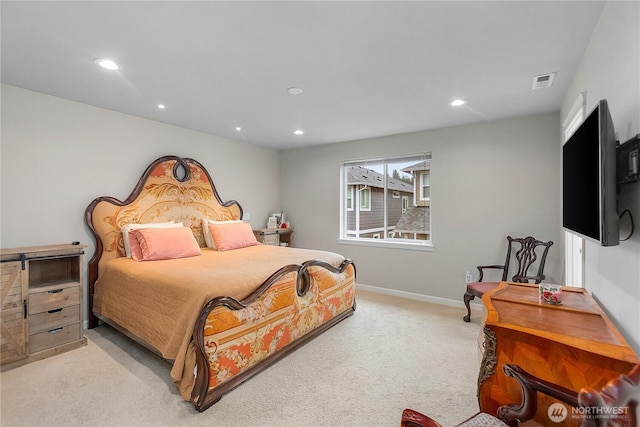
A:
[378,196]
[416,221]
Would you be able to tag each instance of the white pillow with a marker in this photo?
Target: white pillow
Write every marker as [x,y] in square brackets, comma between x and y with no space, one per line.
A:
[127,228]
[207,233]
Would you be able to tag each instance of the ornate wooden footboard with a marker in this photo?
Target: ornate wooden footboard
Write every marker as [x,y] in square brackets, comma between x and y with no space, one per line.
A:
[236,340]
[232,340]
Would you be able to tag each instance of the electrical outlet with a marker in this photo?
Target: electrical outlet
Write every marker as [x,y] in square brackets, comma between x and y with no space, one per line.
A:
[468,278]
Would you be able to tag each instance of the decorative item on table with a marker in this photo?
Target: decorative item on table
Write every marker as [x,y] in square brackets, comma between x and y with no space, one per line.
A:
[279,216]
[549,293]
[272,222]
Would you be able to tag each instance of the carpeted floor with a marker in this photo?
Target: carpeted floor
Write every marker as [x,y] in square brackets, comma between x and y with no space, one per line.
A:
[391,354]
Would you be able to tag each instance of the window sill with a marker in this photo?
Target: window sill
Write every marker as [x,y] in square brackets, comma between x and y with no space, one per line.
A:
[427,247]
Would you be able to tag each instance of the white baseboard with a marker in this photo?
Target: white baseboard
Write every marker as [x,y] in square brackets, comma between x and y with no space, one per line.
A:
[419,297]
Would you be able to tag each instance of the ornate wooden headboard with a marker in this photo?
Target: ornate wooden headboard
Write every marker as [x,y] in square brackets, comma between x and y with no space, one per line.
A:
[170,189]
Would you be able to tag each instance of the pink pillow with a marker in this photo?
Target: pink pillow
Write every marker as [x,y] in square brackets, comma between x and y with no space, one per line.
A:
[232,235]
[164,243]
[134,247]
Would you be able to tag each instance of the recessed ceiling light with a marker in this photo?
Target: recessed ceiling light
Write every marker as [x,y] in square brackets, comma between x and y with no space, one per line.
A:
[161,106]
[295,90]
[108,64]
[457,102]
[299,132]
[238,128]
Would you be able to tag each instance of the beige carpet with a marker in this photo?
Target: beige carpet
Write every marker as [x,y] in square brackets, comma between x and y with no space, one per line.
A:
[391,354]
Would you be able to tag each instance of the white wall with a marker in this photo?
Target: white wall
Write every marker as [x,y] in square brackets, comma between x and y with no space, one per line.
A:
[488,180]
[58,155]
[610,69]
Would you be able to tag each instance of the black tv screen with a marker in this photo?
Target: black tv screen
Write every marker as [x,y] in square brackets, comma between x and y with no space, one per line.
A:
[589,179]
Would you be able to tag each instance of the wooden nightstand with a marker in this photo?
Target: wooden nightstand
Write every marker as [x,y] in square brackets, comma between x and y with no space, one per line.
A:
[41,307]
[275,236]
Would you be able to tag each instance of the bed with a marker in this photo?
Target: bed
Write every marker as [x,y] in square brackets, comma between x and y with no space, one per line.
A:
[219,314]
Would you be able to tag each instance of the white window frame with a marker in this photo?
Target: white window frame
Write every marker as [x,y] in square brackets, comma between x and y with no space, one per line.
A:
[347,236]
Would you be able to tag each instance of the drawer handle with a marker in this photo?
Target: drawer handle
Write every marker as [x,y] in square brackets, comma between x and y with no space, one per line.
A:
[55,331]
[57,310]
[55,291]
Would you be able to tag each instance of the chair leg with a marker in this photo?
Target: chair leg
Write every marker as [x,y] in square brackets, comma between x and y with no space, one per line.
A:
[468,297]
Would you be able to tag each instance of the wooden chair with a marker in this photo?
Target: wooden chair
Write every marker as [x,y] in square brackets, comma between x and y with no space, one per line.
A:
[525,257]
[616,405]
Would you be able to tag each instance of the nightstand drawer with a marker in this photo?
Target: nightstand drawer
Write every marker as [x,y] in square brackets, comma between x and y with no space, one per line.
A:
[275,236]
[51,300]
[54,337]
[52,319]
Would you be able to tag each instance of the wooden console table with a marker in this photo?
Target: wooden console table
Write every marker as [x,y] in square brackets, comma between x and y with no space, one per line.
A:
[573,345]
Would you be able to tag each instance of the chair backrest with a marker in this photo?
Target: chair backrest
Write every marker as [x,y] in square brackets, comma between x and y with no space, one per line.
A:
[525,257]
[617,404]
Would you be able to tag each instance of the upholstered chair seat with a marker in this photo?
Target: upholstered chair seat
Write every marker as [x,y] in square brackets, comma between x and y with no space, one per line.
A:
[481,287]
[411,418]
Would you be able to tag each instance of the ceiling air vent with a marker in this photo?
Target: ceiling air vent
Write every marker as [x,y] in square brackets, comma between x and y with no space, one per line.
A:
[543,81]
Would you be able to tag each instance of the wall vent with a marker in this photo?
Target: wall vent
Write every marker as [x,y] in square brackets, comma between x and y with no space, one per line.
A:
[543,81]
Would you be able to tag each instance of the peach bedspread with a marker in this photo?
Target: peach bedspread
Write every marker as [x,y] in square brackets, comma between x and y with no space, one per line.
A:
[159,301]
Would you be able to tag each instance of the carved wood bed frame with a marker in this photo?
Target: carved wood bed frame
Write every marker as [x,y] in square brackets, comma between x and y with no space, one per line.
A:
[180,189]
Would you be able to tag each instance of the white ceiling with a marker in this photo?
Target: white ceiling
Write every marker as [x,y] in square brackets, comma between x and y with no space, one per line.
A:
[367,68]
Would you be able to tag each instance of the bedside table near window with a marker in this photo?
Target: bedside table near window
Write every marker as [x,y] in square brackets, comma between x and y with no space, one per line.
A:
[275,236]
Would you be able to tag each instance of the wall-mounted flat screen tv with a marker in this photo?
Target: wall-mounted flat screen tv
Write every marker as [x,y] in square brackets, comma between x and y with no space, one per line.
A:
[589,179]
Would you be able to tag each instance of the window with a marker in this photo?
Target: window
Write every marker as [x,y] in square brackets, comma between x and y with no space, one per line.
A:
[349,201]
[386,201]
[425,187]
[365,198]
